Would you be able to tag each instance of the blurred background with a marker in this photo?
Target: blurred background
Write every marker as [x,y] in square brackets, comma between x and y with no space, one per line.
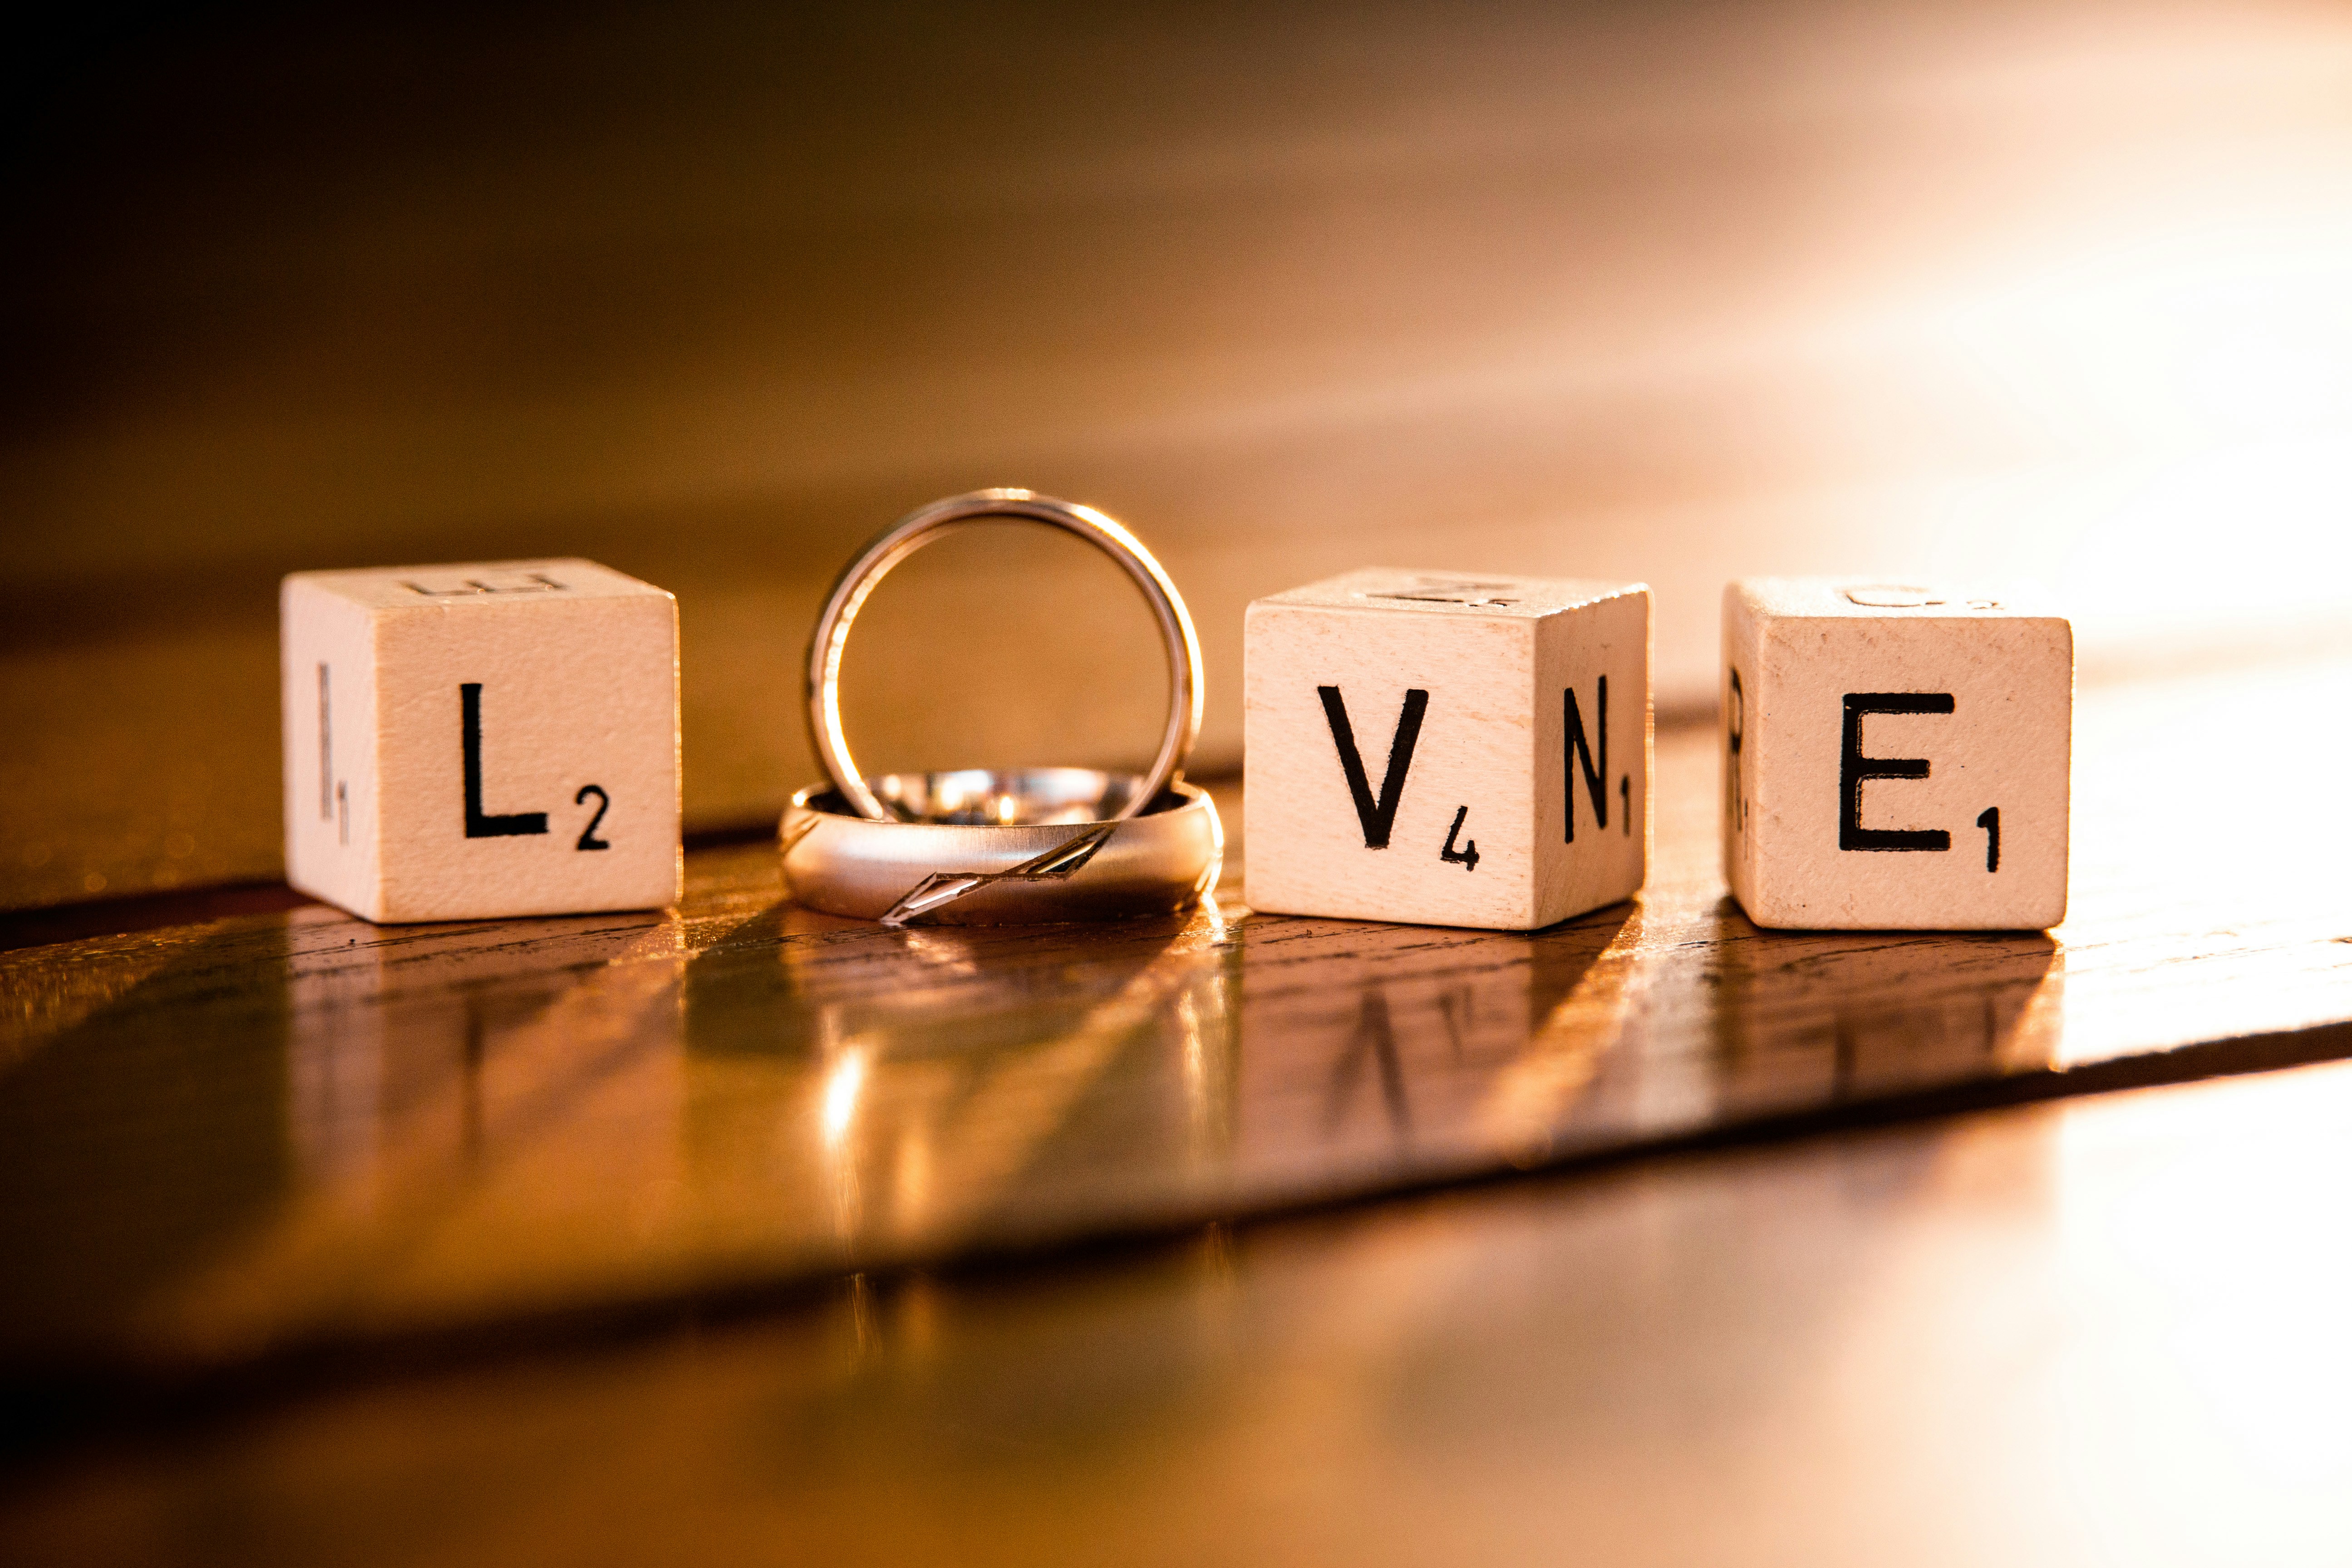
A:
[2057,291]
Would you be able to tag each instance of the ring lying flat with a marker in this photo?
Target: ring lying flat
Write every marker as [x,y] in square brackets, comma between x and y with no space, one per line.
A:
[977,847]
[918,527]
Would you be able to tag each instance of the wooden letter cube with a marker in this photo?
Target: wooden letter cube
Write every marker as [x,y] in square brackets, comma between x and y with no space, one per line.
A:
[476,740]
[1894,758]
[1468,750]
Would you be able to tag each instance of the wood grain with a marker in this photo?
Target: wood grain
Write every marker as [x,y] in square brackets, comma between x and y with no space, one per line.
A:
[2090,1331]
[274,1135]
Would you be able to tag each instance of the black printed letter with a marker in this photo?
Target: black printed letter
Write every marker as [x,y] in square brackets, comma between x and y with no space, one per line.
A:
[1853,768]
[1378,816]
[512,825]
[1596,766]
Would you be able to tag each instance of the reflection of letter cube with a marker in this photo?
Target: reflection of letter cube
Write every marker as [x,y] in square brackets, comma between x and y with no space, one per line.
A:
[1894,757]
[466,742]
[1468,750]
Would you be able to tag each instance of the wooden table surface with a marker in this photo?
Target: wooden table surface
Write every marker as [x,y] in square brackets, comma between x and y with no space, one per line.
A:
[489,1239]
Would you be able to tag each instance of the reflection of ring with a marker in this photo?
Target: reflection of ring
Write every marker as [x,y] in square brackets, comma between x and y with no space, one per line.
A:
[977,847]
[917,529]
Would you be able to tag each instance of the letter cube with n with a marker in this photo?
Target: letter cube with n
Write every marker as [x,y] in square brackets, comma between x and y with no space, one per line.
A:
[476,740]
[1470,750]
[1894,758]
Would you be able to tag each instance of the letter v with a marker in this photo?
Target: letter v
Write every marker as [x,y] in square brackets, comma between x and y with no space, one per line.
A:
[1378,816]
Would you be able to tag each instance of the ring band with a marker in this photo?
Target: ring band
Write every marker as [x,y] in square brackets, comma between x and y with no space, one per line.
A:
[1003,848]
[983,847]
[917,529]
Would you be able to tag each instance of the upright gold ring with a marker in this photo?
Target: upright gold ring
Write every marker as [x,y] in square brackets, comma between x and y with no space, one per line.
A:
[922,525]
[984,847]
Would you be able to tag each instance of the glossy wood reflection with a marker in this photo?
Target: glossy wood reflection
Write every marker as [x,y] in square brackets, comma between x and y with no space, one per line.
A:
[225,1140]
[2025,1337]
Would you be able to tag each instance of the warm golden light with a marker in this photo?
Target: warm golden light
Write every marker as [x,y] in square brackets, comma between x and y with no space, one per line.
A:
[2205,1319]
[841,1090]
[2189,372]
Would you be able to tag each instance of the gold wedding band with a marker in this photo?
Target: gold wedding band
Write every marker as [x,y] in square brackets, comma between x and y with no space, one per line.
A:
[944,871]
[922,525]
[979,846]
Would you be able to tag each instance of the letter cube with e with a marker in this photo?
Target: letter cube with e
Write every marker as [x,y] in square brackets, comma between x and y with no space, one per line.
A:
[478,740]
[1894,758]
[1470,750]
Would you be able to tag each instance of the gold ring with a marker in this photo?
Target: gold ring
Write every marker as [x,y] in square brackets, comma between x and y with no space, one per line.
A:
[981,848]
[984,847]
[922,525]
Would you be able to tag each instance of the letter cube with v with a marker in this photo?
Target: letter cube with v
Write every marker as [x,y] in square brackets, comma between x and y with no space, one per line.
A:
[1464,750]
[1894,758]
[476,740]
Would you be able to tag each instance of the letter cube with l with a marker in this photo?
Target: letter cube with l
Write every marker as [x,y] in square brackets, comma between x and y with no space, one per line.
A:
[1470,750]
[476,740]
[1894,758]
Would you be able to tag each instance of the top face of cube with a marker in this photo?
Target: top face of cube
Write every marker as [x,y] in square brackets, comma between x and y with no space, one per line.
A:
[1827,598]
[1497,594]
[477,584]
